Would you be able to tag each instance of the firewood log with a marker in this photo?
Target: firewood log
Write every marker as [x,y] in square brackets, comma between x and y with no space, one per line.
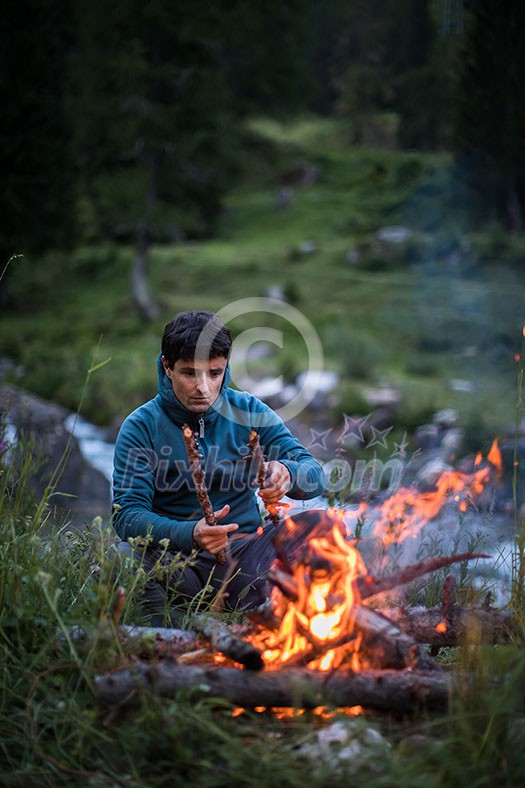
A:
[399,691]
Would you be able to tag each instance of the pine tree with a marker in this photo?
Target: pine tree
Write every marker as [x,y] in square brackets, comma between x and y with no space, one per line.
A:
[490,125]
[37,199]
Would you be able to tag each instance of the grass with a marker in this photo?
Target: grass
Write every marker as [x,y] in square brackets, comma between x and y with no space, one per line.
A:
[52,732]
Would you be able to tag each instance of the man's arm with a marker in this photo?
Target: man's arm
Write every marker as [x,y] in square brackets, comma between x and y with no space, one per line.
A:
[134,479]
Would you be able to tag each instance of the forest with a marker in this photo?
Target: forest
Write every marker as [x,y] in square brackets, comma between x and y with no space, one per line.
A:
[344,182]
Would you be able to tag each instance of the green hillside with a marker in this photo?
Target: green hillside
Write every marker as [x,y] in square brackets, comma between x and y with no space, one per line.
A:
[437,307]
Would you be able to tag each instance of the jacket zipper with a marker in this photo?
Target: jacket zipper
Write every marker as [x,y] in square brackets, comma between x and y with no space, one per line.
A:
[201,427]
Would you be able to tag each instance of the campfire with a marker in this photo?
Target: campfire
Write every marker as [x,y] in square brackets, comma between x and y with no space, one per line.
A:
[321,581]
[318,641]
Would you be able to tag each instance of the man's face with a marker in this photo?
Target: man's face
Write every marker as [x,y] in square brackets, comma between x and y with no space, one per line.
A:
[196,383]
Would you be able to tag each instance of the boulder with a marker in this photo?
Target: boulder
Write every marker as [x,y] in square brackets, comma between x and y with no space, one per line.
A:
[43,424]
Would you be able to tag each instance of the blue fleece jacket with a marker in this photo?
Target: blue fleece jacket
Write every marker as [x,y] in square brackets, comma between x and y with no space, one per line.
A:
[153,491]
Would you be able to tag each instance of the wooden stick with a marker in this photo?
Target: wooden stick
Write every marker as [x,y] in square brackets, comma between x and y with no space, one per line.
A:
[197,473]
[257,457]
[369,586]
[399,690]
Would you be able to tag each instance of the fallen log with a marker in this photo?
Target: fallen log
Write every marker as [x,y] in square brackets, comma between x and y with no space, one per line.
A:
[387,690]
[156,641]
[146,642]
[463,625]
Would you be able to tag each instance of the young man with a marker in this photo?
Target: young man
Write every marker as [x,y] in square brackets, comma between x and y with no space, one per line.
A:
[154,493]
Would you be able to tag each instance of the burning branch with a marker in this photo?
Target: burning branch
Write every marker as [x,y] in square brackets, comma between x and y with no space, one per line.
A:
[370,586]
[222,639]
[197,473]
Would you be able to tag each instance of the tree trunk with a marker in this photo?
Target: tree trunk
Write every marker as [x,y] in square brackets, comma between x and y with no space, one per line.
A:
[388,690]
[147,307]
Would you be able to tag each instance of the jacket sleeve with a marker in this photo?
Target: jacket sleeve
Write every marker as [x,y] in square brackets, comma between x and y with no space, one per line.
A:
[135,466]
[306,473]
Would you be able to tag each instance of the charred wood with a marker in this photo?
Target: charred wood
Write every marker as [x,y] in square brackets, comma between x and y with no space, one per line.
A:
[370,586]
[222,639]
[386,645]
[465,625]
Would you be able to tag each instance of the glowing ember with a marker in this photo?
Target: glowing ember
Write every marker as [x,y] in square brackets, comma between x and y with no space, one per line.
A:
[441,627]
[289,713]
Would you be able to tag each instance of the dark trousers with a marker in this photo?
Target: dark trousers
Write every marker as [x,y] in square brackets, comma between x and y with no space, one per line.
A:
[175,581]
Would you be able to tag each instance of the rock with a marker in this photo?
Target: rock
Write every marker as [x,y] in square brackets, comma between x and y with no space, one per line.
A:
[458,384]
[384,396]
[353,256]
[452,441]
[426,437]
[394,236]
[307,247]
[322,381]
[276,292]
[430,472]
[448,417]
[44,423]
[348,745]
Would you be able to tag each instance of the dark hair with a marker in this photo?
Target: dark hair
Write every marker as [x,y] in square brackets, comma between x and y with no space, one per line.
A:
[195,333]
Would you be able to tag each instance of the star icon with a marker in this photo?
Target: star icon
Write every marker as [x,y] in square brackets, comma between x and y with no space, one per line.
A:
[319,438]
[353,427]
[400,449]
[379,437]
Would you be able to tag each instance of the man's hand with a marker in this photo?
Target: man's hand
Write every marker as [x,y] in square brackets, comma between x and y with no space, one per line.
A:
[213,538]
[276,483]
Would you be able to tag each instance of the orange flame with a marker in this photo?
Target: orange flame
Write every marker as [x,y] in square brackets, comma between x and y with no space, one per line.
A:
[441,627]
[406,511]
[324,610]
[494,457]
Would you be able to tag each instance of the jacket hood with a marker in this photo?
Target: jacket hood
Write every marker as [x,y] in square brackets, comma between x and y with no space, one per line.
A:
[175,409]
